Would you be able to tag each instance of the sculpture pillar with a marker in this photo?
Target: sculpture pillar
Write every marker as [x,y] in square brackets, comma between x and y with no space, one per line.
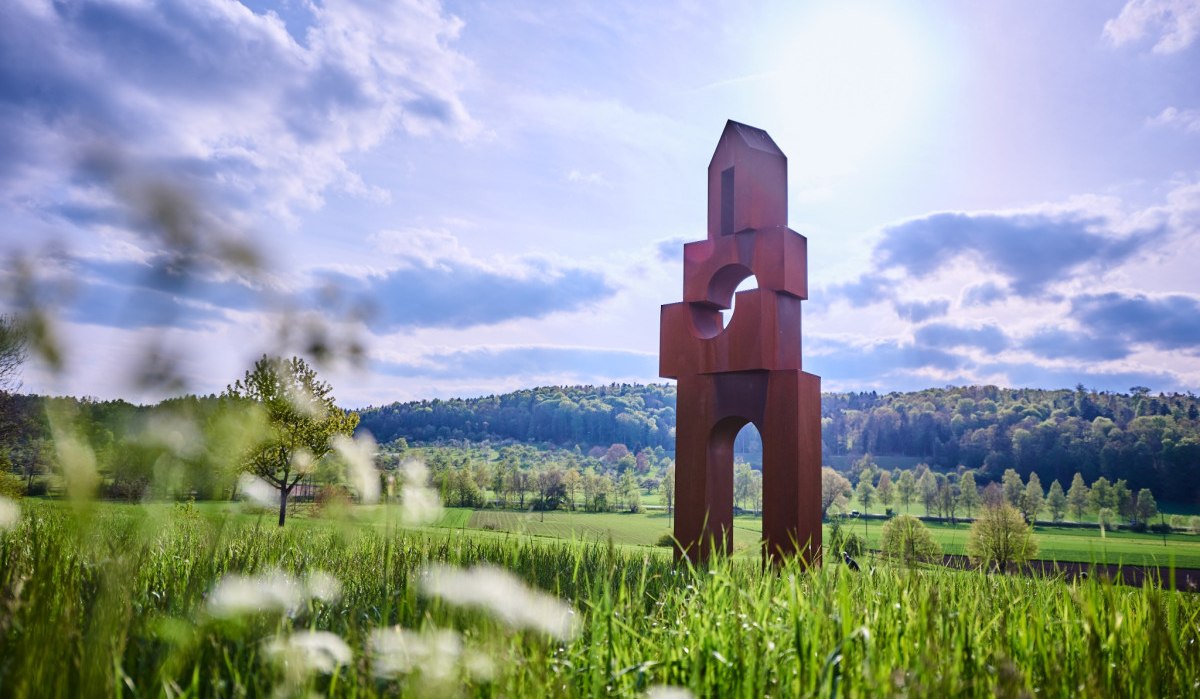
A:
[749,371]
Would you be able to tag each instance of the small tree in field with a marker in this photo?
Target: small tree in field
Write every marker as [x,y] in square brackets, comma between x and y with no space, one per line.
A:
[1033,499]
[1056,501]
[865,492]
[1014,488]
[302,421]
[667,488]
[1000,536]
[834,488]
[906,539]
[884,489]
[1078,497]
[1145,508]
[906,488]
[928,487]
[968,492]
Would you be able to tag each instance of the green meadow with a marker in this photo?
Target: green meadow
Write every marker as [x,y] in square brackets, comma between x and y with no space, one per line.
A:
[645,529]
[105,600]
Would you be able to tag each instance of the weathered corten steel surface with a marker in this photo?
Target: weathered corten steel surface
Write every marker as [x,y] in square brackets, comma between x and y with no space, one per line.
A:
[749,371]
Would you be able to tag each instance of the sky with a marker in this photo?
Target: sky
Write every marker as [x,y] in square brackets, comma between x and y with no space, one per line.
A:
[465,198]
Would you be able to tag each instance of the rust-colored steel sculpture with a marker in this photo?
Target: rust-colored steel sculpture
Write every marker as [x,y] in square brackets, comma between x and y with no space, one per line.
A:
[749,371]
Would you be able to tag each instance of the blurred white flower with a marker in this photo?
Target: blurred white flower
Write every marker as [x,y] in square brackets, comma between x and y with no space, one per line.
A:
[78,464]
[304,402]
[258,491]
[302,461]
[399,651]
[235,595]
[323,586]
[310,651]
[421,503]
[10,513]
[178,435]
[504,595]
[359,454]
[479,665]
[663,691]
[274,591]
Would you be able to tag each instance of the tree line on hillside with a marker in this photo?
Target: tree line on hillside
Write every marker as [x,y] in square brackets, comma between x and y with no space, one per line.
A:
[1147,441]
[631,414]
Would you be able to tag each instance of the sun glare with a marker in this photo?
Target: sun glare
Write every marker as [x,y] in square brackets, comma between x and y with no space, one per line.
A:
[849,78]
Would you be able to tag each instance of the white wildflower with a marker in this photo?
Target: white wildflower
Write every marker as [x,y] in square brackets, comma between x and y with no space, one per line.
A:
[421,503]
[178,435]
[10,513]
[258,491]
[78,464]
[504,595]
[303,461]
[400,651]
[323,586]
[359,454]
[479,666]
[235,595]
[310,651]
[304,402]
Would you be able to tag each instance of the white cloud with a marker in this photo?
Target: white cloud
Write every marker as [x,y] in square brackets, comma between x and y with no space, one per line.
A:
[595,179]
[1175,22]
[428,246]
[1185,119]
[229,96]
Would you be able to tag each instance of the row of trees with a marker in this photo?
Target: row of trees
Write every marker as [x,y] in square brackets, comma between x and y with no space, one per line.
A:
[949,494]
[525,477]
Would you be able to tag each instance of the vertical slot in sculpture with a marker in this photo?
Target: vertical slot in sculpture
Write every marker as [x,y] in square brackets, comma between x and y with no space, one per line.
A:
[749,371]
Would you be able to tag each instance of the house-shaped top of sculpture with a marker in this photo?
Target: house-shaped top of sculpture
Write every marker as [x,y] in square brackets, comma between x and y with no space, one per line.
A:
[747,182]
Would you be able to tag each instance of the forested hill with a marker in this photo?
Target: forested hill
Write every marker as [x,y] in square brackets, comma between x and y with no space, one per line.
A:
[629,414]
[1149,440]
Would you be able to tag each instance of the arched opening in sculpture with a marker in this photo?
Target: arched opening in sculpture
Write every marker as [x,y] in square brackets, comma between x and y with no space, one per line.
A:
[720,458]
[747,446]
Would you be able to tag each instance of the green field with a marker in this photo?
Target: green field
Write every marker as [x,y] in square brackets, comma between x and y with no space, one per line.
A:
[124,600]
[644,529]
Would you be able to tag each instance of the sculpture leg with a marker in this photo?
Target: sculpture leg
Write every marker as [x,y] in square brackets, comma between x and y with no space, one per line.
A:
[703,489]
[791,434]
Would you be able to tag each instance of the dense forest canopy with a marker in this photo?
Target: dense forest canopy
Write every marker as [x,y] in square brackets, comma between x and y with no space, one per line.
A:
[1149,440]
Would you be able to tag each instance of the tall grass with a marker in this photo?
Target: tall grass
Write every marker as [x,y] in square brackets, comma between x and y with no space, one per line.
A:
[118,601]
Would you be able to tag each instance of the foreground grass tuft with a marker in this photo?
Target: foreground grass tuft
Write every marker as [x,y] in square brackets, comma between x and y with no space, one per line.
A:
[142,602]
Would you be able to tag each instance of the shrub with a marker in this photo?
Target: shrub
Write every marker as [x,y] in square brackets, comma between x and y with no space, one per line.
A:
[842,539]
[1000,536]
[665,540]
[11,486]
[906,539]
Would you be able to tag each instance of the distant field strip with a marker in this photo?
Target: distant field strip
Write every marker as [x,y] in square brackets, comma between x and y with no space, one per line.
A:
[621,528]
